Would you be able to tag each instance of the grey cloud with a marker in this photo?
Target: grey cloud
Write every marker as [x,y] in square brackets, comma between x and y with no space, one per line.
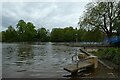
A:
[47,14]
[46,0]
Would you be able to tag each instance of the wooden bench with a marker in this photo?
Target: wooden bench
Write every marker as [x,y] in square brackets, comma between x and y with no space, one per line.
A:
[90,61]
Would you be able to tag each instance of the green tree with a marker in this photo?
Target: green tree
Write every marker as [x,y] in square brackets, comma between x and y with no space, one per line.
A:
[57,35]
[98,35]
[3,36]
[10,35]
[117,25]
[0,36]
[94,35]
[42,35]
[80,34]
[102,15]
[21,29]
[26,31]
[69,34]
[30,32]
[87,37]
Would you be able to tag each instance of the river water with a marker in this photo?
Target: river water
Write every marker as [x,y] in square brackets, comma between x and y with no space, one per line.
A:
[41,60]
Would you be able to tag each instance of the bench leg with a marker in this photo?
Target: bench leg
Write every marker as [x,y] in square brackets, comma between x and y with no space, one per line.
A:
[74,73]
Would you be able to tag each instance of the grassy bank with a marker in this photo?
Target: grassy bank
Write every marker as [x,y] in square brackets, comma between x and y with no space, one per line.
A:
[111,54]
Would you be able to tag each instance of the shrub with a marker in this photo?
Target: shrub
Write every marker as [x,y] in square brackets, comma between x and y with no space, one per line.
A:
[112,54]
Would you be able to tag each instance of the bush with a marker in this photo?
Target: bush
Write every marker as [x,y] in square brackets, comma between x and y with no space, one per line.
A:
[112,54]
[116,58]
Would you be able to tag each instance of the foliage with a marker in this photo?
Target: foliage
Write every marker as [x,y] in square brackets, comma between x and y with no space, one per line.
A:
[69,34]
[111,54]
[57,35]
[42,35]
[103,15]
[0,36]
[92,35]
[10,35]
[26,32]
[80,34]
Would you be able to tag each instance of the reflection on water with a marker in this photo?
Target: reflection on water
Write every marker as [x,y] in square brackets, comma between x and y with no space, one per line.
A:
[36,60]
[24,53]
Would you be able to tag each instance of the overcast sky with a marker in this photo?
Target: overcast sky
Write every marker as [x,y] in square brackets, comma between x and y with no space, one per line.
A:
[42,14]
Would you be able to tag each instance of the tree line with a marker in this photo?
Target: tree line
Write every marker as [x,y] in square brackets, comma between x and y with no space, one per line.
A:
[27,32]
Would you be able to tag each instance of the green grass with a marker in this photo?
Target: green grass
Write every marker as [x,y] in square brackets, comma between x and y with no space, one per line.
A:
[111,54]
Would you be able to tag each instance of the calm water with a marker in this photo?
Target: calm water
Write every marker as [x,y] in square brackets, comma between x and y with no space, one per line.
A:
[41,60]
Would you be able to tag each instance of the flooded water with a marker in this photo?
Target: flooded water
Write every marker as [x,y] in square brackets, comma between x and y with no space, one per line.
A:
[41,60]
[0,60]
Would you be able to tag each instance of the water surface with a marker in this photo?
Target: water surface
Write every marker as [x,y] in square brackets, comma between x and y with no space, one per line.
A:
[41,60]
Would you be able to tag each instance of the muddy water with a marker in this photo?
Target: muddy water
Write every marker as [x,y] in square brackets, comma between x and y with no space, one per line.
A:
[42,60]
[0,60]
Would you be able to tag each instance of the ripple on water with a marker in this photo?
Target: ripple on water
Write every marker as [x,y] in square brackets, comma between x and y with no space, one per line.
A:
[47,60]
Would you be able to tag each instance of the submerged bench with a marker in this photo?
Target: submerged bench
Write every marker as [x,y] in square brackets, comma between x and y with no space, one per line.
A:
[73,67]
[90,61]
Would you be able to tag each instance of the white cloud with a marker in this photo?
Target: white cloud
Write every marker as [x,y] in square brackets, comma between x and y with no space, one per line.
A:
[47,14]
[47,0]
[0,16]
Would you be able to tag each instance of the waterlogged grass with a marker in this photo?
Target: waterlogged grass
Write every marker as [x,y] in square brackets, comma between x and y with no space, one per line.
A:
[111,54]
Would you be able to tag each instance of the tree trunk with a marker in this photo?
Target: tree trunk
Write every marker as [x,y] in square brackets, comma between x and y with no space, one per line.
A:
[109,34]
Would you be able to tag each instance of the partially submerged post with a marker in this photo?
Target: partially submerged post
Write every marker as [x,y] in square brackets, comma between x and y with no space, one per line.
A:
[93,60]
